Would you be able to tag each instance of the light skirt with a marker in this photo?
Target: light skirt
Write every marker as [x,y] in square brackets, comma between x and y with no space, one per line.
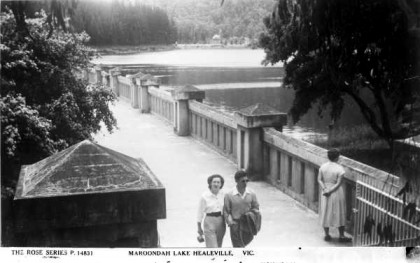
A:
[333,209]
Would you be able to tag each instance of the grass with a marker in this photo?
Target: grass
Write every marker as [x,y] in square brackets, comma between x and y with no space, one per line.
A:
[359,143]
[358,137]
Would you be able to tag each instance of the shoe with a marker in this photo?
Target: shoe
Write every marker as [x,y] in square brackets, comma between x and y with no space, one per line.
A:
[327,238]
[344,239]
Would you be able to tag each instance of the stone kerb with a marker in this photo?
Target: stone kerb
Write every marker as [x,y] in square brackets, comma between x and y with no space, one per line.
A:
[182,96]
[250,121]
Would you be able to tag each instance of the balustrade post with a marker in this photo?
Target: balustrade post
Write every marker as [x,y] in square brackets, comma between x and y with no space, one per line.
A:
[114,73]
[144,82]
[98,73]
[250,122]
[85,74]
[105,78]
[134,91]
[182,96]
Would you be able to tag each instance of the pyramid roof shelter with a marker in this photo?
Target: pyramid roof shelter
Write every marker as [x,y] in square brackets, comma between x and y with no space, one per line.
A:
[85,168]
[87,186]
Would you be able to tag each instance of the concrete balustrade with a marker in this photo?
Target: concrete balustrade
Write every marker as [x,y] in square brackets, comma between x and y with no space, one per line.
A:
[134,90]
[84,74]
[162,104]
[144,82]
[294,168]
[182,97]
[251,137]
[250,121]
[98,74]
[114,73]
[213,127]
[105,79]
[91,75]
[124,87]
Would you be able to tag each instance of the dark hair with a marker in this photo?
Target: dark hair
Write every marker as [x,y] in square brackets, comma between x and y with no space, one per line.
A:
[211,177]
[333,154]
[239,174]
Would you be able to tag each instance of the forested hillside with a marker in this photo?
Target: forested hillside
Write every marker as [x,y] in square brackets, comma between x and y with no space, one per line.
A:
[150,22]
[198,21]
[123,23]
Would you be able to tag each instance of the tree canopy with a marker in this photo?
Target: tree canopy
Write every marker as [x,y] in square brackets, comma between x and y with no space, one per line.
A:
[123,23]
[365,50]
[44,106]
[197,21]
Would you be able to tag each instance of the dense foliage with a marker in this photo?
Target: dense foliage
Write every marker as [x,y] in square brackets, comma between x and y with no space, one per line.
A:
[197,21]
[44,106]
[123,23]
[150,22]
[365,50]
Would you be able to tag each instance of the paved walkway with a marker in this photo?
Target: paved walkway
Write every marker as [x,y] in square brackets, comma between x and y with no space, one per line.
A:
[183,165]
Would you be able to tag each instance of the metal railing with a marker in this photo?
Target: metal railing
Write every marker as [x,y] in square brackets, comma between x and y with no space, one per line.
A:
[383,219]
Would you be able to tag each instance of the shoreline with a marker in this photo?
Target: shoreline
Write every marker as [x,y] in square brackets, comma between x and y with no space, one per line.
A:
[129,50]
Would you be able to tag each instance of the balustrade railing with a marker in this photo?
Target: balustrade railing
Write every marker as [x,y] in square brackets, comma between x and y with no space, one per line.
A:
[292,165]
[124,87]
[287,163]
[162,104]
[213,127]
[91,75]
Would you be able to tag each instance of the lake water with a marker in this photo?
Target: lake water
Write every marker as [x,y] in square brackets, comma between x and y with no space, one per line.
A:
[232,79]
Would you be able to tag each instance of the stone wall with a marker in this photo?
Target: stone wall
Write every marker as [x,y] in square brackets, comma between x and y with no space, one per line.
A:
[96,220]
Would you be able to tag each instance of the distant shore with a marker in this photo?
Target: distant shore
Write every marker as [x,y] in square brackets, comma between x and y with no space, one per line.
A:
[127,50]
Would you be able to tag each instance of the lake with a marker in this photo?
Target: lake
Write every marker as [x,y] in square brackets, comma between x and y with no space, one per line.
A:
[232,79]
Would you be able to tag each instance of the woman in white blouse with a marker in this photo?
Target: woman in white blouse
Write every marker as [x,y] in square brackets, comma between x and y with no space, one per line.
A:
[211,209]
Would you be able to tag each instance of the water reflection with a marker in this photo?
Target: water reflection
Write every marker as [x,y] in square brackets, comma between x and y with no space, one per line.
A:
[233,84]
[234,58]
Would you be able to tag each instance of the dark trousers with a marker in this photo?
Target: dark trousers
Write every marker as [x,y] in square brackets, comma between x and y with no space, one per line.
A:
[235,236]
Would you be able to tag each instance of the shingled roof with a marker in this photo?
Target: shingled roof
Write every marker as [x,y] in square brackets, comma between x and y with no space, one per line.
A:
[84,168]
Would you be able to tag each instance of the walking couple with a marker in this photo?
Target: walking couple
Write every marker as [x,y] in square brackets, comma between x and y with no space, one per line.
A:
[238,208]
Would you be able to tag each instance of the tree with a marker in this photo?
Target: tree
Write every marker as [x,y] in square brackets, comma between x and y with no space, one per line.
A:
[123,23]
[44,106]
[365,50]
